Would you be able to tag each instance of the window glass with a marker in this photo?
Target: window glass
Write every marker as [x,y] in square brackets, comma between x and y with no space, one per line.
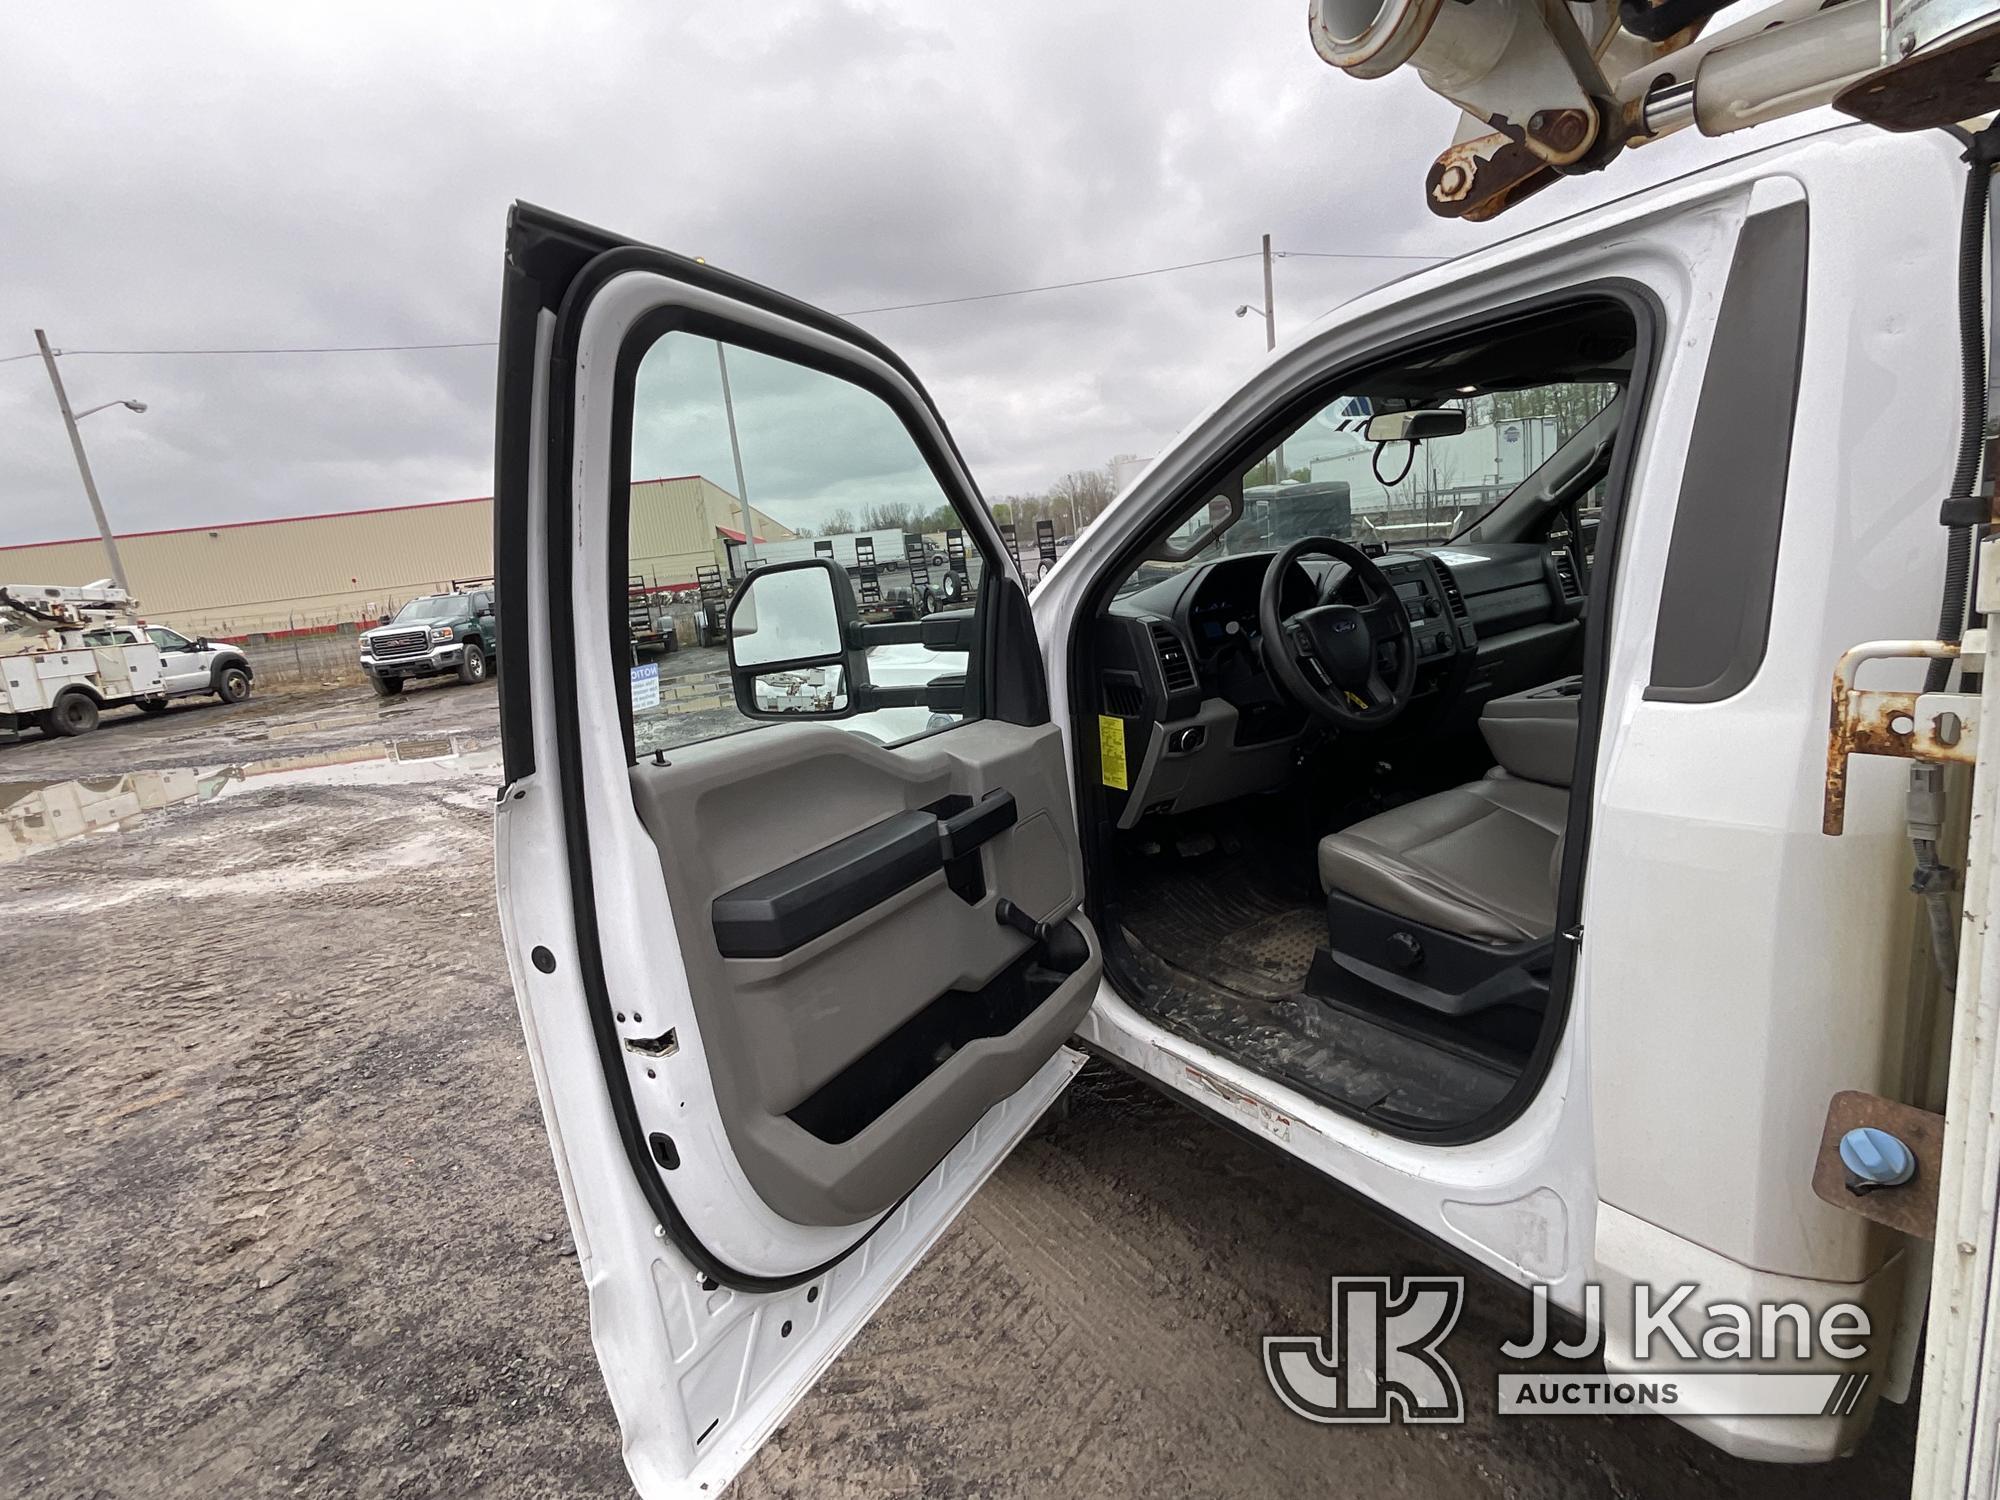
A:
[432,607]
[1328,479]
[166,640]
[828,470]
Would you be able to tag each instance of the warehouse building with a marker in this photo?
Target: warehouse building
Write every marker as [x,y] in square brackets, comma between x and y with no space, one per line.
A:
[352,567]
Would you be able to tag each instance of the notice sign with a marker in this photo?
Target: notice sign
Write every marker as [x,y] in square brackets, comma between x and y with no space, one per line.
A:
[645,687]
[1111,751]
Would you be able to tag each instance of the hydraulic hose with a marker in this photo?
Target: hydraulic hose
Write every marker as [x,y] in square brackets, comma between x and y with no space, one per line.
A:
[1933,880]
[1964,514]
[1982,155]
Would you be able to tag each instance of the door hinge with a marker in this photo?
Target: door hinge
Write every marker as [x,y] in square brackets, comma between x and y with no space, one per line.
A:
[1939,728]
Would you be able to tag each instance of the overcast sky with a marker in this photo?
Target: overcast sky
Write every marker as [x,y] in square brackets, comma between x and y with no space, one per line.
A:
[196,175]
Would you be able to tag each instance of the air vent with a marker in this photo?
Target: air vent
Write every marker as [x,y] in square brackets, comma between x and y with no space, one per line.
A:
[1175,668]
[1124,698]
[1566,571]
[1452,597]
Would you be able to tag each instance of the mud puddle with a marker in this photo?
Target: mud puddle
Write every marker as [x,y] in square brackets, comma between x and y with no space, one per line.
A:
[38,815]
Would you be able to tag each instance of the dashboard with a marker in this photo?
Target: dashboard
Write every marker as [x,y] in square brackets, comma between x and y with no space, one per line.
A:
[1179,659]
[1224,602]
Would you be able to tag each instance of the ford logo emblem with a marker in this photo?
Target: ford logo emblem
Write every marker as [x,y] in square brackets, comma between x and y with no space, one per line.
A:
[1343,623]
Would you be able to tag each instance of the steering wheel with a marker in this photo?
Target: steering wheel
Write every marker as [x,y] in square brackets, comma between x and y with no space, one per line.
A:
[1329,656]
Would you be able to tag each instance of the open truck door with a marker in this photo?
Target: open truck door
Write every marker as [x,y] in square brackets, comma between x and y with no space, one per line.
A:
[793,990]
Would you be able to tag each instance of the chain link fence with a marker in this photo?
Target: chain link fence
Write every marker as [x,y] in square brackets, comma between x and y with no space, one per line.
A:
[309,649]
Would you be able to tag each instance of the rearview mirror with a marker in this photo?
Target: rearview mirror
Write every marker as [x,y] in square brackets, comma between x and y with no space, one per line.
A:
[789,654]
[1416,426]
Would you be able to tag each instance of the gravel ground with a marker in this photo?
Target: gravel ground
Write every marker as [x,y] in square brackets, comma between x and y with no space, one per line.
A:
[277,1214]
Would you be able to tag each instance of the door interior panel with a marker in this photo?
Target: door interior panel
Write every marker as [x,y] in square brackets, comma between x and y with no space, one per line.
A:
[861,1002]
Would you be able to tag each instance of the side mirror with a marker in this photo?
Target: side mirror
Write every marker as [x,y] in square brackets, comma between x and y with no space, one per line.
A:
[381,619]
[1416,426]
[789,627]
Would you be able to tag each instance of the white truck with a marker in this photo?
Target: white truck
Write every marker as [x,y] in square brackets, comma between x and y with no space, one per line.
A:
[68,652]
[1549,886]
[889,549]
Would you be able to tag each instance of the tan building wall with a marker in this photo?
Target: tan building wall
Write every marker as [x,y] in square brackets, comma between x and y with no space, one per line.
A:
[314,571]
[675,525]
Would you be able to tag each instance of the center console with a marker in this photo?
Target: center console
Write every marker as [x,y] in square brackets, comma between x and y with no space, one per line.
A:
[1432,601]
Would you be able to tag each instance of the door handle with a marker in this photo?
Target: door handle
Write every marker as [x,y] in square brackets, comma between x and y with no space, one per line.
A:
[987,818]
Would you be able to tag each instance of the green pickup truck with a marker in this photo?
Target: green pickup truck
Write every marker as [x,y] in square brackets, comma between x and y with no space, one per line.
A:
[431,636]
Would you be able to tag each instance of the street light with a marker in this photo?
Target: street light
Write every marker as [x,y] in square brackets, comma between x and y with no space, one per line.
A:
[70,419]
[1270,342]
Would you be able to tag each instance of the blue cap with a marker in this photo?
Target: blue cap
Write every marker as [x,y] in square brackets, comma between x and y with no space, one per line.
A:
[1877,1156]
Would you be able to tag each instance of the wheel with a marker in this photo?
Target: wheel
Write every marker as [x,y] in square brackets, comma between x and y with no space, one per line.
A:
[72,714]
[472,665]
[153,705]
[386,687]
[233,686]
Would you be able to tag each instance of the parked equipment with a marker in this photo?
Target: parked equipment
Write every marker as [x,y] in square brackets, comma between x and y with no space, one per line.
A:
[68,652]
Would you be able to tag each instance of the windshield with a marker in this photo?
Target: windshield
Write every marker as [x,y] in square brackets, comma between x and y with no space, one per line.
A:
[1328,479]
[432,607]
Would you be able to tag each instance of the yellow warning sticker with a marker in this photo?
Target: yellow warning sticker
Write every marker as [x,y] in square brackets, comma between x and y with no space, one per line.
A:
[1111,751]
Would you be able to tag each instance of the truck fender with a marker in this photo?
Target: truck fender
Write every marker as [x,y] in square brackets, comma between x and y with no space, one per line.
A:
[223,663]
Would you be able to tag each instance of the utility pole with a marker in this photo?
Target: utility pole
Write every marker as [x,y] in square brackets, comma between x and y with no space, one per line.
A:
[1271,342]
[1270,307]
[82,462]
[736,453]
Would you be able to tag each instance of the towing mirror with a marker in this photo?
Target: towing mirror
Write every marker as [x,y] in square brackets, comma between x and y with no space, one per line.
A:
[790,627]
[1416,426]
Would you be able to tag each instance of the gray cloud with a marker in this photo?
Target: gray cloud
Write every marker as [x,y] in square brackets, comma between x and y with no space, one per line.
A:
[203,175]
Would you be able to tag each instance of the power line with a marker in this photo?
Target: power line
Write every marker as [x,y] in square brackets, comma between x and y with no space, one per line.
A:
[1191,265]
[1356,255]
[1054,286]
[860,312]
[295,349]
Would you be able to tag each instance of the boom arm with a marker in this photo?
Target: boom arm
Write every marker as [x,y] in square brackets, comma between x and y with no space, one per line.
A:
[65,609]
[1553,88]
[68,606]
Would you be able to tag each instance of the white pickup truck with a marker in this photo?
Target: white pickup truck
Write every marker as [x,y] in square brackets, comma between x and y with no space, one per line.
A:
[1486,878]
[1516,882]
[66,656]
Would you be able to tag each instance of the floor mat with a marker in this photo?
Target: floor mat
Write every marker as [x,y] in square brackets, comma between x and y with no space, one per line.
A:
[1226,918]
[1221,945]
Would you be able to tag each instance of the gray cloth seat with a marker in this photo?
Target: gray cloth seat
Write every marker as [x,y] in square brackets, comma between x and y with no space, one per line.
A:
[1480,860]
